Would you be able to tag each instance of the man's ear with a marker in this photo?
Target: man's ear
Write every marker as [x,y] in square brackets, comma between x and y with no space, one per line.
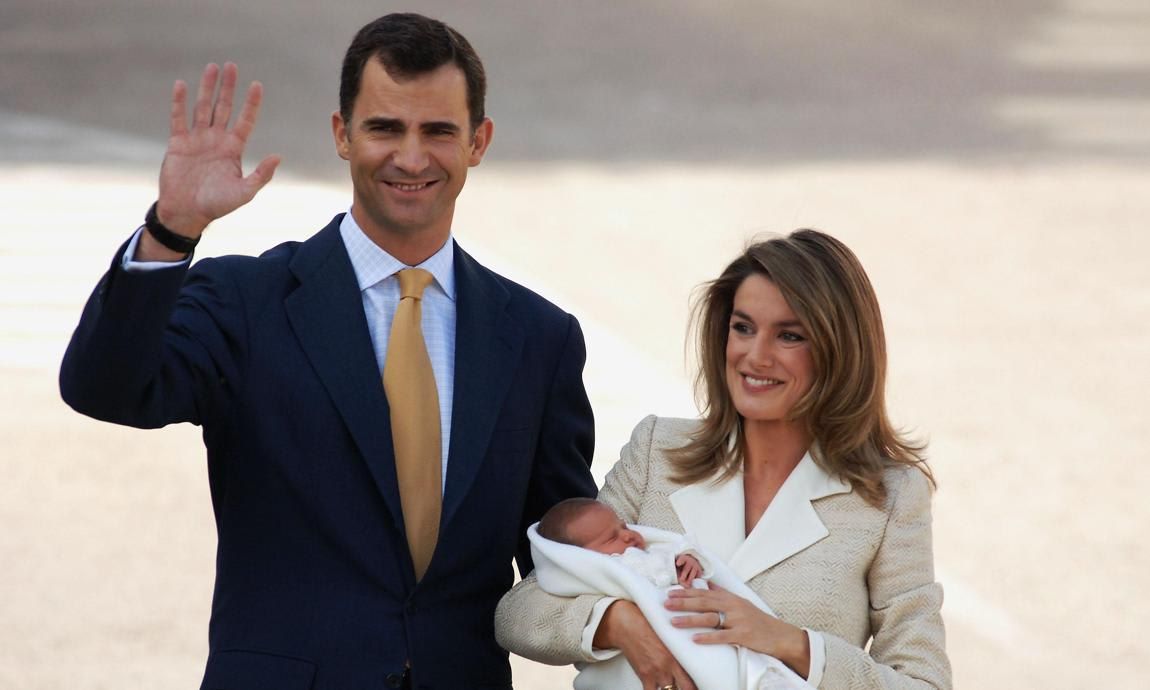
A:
[481,140]
[339,132]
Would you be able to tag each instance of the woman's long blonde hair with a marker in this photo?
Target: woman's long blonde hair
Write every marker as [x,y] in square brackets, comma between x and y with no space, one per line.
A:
[845,409]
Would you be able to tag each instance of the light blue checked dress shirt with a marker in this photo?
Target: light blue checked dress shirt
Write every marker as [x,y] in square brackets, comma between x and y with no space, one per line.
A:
[375,271]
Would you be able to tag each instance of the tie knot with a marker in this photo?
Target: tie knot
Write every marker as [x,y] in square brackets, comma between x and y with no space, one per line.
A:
[412,281]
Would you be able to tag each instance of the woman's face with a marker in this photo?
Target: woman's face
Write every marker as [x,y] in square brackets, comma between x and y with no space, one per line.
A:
[769,361]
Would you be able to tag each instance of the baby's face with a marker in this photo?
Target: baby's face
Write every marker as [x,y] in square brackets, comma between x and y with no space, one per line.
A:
[600,529]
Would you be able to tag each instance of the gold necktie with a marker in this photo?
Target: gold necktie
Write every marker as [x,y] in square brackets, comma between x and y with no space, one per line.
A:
[409,383]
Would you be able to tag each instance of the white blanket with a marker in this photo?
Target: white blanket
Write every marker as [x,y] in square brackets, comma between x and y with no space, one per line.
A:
[568,571]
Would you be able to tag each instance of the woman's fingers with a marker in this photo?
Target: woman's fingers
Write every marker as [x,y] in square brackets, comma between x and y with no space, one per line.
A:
[715,637]
[683,681]
[696,620]
[692,600]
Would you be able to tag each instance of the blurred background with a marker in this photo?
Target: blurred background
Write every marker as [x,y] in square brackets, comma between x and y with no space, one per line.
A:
[987,160]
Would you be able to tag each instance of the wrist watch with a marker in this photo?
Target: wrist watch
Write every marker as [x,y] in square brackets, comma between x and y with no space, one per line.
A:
[171,240]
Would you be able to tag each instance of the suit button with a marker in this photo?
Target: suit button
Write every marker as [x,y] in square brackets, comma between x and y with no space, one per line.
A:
[395,680]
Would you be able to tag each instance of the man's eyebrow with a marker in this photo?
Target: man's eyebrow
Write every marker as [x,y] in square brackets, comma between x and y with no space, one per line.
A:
[440,126]
[381,122]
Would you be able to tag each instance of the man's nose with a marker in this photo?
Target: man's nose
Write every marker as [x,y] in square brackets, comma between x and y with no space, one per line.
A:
[411,156]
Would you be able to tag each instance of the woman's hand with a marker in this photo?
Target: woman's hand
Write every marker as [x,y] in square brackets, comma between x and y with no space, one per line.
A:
[741,623]
[624,628]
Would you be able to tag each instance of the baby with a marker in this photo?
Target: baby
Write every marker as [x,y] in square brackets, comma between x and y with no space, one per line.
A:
[643,564]
[593,525]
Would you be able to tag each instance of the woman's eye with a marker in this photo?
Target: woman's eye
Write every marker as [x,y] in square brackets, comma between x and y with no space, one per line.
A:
[791,337]
[741,327]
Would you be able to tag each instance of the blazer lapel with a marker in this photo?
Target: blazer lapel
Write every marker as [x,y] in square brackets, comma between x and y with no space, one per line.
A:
[488,344]
[790,523]
[713,514]
[326,313]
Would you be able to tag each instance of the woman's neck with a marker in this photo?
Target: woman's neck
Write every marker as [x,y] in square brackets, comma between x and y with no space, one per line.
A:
[774,448]
[772,451]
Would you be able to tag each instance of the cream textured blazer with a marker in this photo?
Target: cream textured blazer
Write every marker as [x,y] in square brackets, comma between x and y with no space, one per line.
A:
[820,556]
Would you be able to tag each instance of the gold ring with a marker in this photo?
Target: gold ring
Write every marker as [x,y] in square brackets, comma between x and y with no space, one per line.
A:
[672,686]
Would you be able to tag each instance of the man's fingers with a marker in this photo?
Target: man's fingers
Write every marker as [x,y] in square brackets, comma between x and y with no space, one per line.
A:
[202,116]
[179,114]
[250,112]
[223,108]
[259,177]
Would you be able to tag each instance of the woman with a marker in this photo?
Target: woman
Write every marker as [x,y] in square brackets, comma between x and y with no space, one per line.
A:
[794,475]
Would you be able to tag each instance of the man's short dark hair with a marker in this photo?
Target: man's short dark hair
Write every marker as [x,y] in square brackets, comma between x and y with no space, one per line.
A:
[408,45]
[555,522]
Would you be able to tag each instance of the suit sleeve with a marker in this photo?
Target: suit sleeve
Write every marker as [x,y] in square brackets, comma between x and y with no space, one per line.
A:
[908,649]
[154,348]
[562,467]
[547,628]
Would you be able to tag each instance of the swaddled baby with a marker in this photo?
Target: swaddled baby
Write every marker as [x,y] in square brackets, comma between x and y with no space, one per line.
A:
[593,525]
[660,560]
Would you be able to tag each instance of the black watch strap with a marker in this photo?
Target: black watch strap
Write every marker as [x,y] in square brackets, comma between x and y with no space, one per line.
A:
[177,243]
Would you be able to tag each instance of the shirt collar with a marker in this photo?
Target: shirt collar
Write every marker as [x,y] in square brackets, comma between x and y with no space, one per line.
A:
[372,264]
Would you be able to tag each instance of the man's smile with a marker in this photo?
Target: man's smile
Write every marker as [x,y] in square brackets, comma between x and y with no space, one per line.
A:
[409,186]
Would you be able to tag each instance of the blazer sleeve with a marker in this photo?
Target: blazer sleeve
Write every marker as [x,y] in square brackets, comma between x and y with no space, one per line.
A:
[562,466]
[154,348]
[547,628]
[908,648]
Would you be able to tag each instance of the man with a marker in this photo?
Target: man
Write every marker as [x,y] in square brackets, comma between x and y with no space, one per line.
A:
[339,566]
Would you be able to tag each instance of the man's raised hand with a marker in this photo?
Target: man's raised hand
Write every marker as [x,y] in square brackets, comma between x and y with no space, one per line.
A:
[202,177]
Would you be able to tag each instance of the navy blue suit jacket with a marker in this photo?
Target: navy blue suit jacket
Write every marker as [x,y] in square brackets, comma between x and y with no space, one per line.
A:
[271,356]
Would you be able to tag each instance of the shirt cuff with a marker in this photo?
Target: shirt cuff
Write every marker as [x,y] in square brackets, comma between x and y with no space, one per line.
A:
[597,611]
[128,264]
[818,657]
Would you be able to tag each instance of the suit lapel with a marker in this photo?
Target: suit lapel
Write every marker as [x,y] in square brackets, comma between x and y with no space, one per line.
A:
[790,523]
[716,515]
[326,313]
[488,344]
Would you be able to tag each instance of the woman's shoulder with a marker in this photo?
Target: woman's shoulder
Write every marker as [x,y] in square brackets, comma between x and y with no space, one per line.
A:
[652,439]
[906,484]
[663,431]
